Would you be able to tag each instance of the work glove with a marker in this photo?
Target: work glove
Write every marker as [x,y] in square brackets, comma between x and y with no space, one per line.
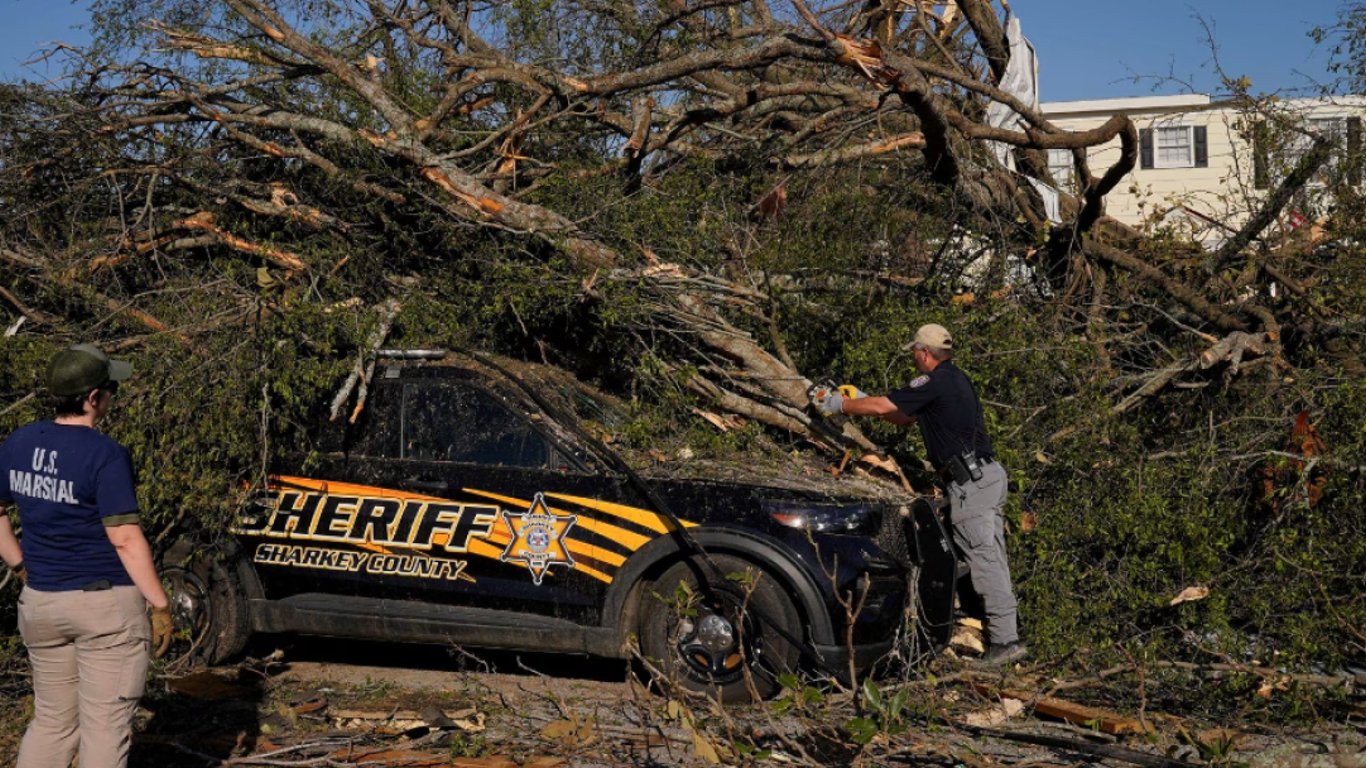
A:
[163,630]
[830,402]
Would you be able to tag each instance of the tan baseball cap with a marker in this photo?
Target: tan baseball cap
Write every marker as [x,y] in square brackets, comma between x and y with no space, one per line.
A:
[933,336]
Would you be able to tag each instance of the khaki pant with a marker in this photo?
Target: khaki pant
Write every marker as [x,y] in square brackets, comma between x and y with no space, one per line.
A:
[89,653]
[978,523]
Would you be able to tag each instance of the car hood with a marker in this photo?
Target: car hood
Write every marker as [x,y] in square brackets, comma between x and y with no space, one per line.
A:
[794,479]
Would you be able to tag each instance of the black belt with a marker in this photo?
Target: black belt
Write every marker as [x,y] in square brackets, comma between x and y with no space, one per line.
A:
[945,474]
[98,585]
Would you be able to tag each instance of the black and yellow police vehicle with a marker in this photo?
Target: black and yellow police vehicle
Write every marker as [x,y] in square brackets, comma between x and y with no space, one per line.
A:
[473,501]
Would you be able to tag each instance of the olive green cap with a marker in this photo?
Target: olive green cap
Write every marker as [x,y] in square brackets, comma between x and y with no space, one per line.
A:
[77,370]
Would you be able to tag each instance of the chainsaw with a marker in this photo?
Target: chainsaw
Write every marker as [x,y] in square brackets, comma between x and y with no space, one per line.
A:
[818,391]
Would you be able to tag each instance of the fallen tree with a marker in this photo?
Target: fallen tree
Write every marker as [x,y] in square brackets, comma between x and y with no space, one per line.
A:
[272,124]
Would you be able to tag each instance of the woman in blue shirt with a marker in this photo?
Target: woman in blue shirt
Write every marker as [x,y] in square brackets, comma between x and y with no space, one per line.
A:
[89,573]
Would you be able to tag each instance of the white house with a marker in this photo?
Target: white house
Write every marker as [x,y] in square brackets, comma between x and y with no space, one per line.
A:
[1205,165]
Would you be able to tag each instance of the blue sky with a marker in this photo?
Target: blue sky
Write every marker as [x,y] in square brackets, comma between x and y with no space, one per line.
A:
[1087,48]
[1095,48]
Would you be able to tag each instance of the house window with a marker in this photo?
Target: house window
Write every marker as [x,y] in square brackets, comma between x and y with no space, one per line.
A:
[1061,168]
[1174,146]
[1334,129]
[1274,158]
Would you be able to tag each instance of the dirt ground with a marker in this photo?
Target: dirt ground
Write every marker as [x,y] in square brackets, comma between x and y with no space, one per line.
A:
[342,703]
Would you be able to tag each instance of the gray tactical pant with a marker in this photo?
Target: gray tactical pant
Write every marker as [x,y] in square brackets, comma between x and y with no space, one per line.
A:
[978,523]
[89,657]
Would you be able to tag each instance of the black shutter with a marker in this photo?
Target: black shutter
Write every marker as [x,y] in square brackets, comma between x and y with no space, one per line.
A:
[1354,158]
[1261,162]
[1145,148]
[1201,147]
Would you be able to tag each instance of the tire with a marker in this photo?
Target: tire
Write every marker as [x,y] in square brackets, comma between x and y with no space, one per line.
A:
[208,605]
[710,641]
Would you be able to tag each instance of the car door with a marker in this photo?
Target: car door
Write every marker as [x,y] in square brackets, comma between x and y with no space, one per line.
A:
[299,531]
[493,525]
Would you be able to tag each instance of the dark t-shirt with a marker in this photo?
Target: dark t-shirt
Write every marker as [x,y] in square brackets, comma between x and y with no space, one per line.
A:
[949,414]
[69,482]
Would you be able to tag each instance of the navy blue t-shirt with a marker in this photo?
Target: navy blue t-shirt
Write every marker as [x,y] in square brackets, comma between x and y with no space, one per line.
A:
[948,412]
[69,482]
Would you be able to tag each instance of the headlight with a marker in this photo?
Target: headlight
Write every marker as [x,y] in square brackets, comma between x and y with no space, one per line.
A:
[847,519]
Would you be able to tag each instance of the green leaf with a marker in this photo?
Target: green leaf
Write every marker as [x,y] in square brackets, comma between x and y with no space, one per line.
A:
[872,695]
[861,730]
[897,705]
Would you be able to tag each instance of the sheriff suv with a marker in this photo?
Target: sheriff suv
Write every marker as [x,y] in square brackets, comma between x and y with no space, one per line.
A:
[476,502]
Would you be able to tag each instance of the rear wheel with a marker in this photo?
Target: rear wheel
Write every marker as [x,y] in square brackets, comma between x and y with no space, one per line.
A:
[720,637]
[208,605]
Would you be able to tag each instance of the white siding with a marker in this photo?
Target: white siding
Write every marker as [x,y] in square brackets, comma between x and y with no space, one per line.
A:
[1222,191]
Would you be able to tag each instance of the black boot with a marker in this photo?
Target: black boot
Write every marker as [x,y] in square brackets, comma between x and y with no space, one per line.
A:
[1000,654]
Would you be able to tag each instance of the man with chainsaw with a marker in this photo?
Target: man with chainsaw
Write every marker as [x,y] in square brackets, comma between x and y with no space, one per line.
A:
[945,404]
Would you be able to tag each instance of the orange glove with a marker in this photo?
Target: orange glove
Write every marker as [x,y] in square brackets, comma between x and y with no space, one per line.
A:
[163,630]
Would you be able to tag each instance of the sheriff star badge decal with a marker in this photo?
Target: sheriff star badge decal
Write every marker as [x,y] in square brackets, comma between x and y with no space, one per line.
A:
[538,538]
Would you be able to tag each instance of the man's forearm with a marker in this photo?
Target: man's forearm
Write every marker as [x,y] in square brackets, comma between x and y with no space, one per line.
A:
[870,406]
[900,419]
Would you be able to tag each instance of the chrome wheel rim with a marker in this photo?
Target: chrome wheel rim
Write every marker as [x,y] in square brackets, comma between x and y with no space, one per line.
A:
[190,608]
[712,644]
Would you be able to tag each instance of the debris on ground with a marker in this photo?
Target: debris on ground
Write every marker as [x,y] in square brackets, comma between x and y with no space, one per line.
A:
[351,715]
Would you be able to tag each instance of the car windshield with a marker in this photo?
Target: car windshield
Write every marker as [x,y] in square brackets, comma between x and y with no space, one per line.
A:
[587,407]
[762,462]
[570,397]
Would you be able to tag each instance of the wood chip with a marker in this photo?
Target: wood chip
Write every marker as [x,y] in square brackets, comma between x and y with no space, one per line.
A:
[1190,595]
[967,636]
[309,706]
[713,419]
[996,715]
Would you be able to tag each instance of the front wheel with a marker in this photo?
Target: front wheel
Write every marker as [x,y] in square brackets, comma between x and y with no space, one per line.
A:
[208,604]
[720,633]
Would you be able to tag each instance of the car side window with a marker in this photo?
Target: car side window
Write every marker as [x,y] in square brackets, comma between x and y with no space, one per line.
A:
[376,430]
[452,421]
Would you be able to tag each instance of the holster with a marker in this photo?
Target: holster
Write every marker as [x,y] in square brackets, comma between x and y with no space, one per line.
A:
[963,468]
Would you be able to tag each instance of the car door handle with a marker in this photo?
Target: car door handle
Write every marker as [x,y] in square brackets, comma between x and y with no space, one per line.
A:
[428,485]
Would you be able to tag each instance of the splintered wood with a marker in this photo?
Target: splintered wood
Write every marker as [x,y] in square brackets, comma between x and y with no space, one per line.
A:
[1078,714]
